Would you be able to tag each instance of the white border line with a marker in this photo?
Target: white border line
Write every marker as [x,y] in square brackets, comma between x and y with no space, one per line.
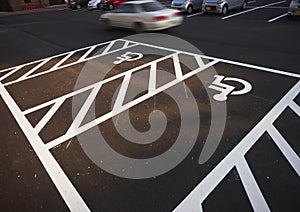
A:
[189,16]
[278,17]
[16,68]
[251,10]
[64,185]
[209,183]
[56,173]
[285,148]
[271,70]
[251,187]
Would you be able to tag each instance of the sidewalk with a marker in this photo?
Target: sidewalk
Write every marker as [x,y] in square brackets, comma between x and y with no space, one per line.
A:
[46,8]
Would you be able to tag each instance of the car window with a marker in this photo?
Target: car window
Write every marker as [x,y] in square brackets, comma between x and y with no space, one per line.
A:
[126,8]
[152,6]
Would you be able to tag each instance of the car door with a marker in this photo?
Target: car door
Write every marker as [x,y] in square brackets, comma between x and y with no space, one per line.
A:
[116,16]
[129,15]
[231,4]
[237,3]
[197,4]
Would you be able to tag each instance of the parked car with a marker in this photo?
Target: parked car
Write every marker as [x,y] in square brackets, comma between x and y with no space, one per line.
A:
[294,8]
[77,4]
[187,6]
[144,15]
[94,4]
[222,6]
[104,4]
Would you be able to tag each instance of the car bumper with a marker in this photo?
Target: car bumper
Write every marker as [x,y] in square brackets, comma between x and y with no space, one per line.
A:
[294,12]
[212,8]
[181,8]
[91,7]
[160,25]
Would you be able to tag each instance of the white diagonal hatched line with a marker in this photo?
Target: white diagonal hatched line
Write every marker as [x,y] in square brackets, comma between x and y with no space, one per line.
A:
[255,195]
[51,57]
[152,77]
[84,56]
[10,69]
[64,66]
[285,148]
[295,107]
[106,50]
[57,175]
[24,76]
[53,101]
[84,109]
[48,116]
[61,61]
[122,92]
[11,72]
[177,66]
[29,74]
[209,183]
[120,108]
[126,44]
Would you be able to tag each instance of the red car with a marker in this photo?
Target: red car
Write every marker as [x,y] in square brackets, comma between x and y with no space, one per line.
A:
[110,4]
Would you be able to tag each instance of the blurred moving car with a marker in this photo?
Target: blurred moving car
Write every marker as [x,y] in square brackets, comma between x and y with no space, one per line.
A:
[222,6]
[77,4]
[144,15]
[104,4]
[187,6]
[294,8]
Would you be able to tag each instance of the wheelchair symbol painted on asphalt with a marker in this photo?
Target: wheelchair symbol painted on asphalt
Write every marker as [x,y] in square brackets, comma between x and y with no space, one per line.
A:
[226,89]
[128,56]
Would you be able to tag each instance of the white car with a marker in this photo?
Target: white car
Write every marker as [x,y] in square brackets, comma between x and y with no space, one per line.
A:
[145,15]
[93,4]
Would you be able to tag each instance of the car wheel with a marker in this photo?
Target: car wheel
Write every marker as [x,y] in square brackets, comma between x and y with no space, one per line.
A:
[98,6]
[244,5]
[138,27]
[111,7]
[189,9]
[225,10]
[78,6]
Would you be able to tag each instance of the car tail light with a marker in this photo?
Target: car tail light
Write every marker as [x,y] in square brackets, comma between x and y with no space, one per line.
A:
[160,18]
[177,14]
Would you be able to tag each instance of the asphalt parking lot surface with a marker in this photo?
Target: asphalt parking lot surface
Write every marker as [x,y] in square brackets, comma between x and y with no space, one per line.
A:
[98,120]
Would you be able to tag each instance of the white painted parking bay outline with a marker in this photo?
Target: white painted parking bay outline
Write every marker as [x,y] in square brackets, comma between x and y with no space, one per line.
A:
[253,9]
[70,195]
[236,158]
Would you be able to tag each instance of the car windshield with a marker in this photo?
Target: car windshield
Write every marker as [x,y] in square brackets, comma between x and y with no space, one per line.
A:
[152,6]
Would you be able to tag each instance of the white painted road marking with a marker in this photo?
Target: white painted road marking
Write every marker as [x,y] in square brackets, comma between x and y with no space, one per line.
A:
[206,186]
[278,17]
[189,16]
[226,90]
[251,10]
[195,199]
[251,2]
[57,175]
